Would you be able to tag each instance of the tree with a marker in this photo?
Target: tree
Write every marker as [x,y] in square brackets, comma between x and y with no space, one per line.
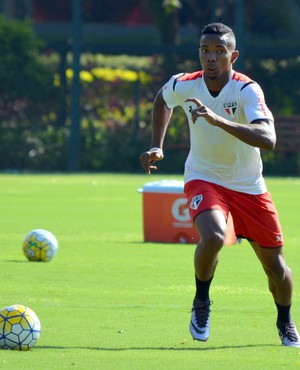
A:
[27,103]
[166,17]
[22,75]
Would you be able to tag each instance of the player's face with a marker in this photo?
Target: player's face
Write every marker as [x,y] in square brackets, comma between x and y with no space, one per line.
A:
[216,57]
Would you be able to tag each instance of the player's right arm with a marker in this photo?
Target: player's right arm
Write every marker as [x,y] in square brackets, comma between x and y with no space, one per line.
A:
[161,116]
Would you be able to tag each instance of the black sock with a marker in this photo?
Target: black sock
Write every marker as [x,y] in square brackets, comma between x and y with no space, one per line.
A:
[283,315]
[202,289]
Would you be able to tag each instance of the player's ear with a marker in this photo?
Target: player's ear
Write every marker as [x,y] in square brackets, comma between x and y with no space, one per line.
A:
[234,56]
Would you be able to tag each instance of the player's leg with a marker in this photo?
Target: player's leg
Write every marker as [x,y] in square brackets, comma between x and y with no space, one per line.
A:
[280,281]
[279,275]
[211,225]
[212,228]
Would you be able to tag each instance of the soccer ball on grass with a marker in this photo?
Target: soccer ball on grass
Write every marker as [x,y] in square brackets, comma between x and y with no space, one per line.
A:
[20,328]
[40,245]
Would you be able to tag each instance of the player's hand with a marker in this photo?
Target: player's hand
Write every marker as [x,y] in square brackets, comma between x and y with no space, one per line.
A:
[201,111]
[147,159]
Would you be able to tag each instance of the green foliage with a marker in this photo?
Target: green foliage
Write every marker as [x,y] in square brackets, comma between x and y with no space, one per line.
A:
[116,106]
[277,77]
[280,19]
[22,75]
[117,93]
[27,101]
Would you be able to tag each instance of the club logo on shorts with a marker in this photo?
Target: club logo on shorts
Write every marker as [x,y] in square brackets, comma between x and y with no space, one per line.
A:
[230,107]
[197,199]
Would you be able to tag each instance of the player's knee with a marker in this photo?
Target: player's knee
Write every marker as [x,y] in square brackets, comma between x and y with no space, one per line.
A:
[214,241]
[279,273]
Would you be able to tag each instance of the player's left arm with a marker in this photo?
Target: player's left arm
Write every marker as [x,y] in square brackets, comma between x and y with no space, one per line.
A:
[260,132]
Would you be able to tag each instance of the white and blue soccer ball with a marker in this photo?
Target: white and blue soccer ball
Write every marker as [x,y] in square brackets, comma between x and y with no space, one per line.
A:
[40,245]
[20,328]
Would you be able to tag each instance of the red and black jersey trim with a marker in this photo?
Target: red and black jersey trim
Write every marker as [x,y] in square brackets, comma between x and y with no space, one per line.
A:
[176,80]
[187,77]
[245,85]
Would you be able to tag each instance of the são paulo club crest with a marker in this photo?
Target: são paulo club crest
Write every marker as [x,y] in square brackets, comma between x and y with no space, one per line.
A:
[230,108]
[197,199]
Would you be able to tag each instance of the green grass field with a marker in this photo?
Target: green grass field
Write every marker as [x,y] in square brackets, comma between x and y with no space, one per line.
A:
[110,301]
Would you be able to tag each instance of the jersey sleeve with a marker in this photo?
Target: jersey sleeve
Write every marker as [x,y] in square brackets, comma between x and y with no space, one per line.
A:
[253,101]
[168,92]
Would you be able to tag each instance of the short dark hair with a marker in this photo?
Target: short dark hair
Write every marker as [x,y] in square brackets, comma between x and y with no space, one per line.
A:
[222,30]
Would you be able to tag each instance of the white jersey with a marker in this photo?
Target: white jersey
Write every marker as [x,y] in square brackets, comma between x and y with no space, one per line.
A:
[215,155]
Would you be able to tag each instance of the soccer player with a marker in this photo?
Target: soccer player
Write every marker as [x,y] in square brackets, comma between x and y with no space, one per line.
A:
[229,123]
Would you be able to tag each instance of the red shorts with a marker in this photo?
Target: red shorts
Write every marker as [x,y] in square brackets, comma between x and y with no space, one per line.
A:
[254,216]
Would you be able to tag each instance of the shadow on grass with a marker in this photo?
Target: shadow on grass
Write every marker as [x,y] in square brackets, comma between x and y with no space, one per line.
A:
[118,349]
[16,261]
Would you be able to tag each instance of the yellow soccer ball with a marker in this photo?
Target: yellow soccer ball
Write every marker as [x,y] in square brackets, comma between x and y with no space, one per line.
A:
[20,328]
[40,245]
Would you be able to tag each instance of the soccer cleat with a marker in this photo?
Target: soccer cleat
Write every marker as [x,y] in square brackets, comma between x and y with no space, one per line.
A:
[200,321]
[289,334]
